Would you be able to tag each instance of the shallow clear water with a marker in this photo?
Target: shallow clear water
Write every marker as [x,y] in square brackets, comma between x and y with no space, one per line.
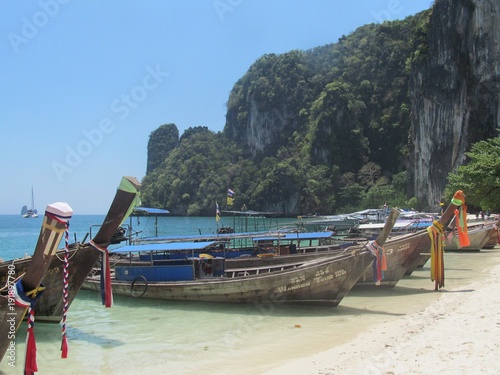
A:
[147,336]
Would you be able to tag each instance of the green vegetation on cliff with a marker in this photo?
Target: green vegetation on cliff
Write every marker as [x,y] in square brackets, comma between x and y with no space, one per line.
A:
[480,177]
[318,131]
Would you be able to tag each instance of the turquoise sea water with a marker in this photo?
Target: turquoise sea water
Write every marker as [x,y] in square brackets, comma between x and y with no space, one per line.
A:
[18,235]
[138,336]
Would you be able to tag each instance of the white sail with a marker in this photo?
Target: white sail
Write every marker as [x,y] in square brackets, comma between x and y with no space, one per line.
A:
[32,212]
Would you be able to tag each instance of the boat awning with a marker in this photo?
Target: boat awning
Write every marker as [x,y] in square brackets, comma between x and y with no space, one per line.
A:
[212,237]
[150,211]
[402,224]
[331,220]
[167,246]
[297,236]
[250,213]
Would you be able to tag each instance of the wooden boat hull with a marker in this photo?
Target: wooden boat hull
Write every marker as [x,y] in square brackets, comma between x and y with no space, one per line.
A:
[403,256]
[493,239]
[23,290]
[490,241]
[402,253]
[324,280]
[50,306]
[479,236]
[81,259]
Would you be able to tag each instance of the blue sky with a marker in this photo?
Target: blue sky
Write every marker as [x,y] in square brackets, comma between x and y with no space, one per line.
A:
[84,83]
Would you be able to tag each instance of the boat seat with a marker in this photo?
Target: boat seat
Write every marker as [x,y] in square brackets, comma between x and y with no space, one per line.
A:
[245,271]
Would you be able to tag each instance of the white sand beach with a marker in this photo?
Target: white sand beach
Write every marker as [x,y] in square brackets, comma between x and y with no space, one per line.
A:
[459,333]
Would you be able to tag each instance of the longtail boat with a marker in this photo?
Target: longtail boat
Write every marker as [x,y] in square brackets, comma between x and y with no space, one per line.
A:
[322,280]
[24,291]
[481,235]
[403,253]
[188,272]
[494,237]
[82,257]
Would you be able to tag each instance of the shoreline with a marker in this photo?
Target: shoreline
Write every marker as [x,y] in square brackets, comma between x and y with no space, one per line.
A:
[458,333]
[402,330]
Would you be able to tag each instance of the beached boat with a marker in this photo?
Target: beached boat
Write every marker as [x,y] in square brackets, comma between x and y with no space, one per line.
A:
[493,237]
[23,291]
[480,234]
[402,226]
[404,253]
[402,257]
[200,271]
[336,223]
[82,257]
[199,278]
[477,242]
[400,251]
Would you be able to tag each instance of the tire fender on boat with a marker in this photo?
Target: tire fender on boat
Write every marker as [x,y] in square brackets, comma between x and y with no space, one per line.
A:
[133,283]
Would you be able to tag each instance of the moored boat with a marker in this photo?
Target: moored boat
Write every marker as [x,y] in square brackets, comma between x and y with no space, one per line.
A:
[321,280]
[24,291]
[493,237]
[200,271]
[405,252]
[477,242]
[480,235]
[82,257]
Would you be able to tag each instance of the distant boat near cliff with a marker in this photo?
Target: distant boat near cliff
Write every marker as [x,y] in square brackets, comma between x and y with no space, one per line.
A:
[30,212]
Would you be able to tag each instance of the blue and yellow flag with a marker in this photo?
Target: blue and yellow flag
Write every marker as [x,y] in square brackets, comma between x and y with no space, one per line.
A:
[230,198]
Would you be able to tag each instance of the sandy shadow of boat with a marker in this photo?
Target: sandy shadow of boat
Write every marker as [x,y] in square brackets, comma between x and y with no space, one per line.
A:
[51,333]
[417,277]
[380,292]
[77,334]
[458,291]
[350,311]
[259,308]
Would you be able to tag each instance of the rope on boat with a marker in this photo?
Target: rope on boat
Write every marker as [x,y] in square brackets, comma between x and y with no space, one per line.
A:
[70,256]
[106,290]
[64,343]
[8,283]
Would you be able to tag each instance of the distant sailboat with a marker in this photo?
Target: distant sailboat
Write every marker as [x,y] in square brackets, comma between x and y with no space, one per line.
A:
[32,212]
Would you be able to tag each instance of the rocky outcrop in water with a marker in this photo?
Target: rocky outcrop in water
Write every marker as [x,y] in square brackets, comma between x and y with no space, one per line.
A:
[454,92]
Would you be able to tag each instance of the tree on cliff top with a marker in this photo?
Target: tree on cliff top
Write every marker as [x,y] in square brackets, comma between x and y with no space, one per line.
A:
[480,177]
[161,142]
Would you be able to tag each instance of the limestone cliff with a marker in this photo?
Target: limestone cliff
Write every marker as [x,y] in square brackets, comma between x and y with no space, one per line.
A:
[454,91]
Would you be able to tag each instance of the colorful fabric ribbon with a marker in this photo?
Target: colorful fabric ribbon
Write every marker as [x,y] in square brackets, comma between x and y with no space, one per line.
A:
[436,234]
[23,299]
[461,224]
[106,290]
[380,263]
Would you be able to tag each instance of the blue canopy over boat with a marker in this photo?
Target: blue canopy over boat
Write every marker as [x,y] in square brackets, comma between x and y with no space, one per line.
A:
[166,246]
[297,236]
[150,211]
[217,236]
